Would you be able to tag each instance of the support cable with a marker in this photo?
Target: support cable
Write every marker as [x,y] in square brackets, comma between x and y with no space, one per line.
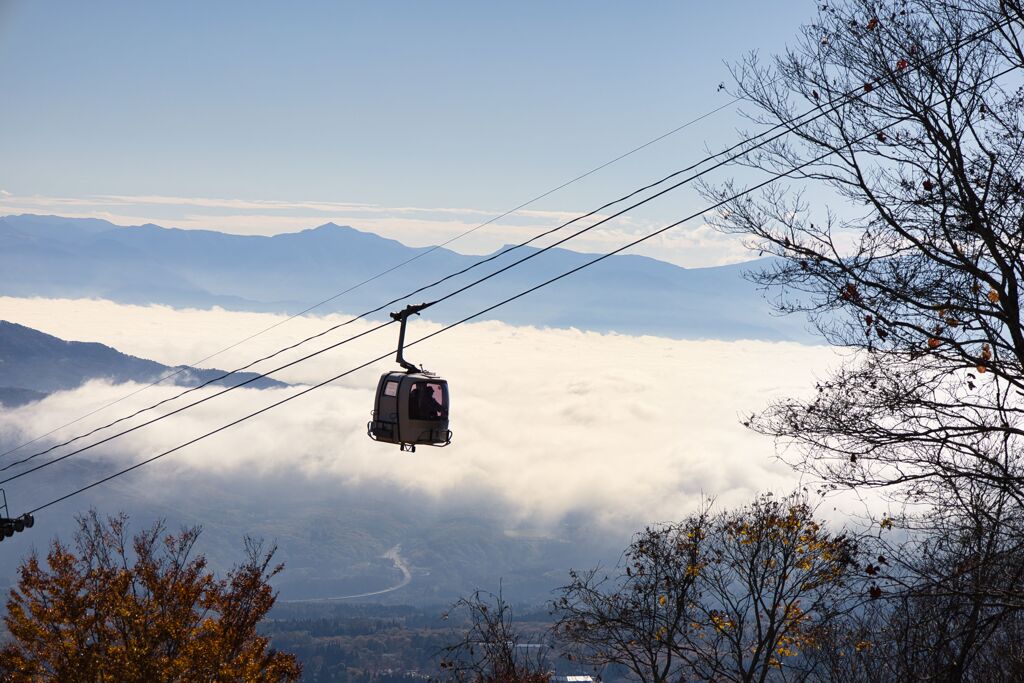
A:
[822,112]
[448,327]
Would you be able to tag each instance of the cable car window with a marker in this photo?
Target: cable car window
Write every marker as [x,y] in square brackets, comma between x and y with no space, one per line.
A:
[391,389]
[428,401]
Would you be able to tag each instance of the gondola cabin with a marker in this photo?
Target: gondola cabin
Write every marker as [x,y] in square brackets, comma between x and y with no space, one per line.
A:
[411,409]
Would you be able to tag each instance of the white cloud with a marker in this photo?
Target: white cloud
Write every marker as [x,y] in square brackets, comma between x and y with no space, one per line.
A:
[547,423]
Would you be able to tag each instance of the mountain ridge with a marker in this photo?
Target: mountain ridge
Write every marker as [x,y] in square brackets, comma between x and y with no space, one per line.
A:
[288,272]
[34,364]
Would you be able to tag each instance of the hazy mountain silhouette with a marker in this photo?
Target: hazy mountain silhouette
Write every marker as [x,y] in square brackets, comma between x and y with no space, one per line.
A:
[65,257]
[34,364]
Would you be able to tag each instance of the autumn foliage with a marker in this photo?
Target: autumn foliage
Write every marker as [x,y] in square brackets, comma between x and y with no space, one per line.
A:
[739,595]
[114,608]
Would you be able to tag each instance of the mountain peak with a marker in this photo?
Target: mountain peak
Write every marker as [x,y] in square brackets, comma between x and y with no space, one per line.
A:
[331,225]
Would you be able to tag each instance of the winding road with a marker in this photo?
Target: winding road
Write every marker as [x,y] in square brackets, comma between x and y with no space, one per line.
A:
[395,555]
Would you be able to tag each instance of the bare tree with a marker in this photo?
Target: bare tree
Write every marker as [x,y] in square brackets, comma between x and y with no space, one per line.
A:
[934,611]
[493,649]
[916,146]
[901,236]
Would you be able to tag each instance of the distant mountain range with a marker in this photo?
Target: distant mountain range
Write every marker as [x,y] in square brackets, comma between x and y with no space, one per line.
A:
[34,364]
[65,257]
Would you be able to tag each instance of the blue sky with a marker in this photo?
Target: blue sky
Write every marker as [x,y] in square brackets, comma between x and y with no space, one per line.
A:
[412,119]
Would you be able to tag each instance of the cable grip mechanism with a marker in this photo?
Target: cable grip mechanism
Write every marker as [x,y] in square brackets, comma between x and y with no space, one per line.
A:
[402,317]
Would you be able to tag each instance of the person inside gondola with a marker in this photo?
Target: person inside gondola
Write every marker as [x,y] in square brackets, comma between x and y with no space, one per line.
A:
[423,405]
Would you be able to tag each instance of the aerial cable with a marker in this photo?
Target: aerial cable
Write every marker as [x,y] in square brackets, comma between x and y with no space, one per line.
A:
[362,315]
[523,293]
[842,100]
[448,327]
[462,271]
[381,274]
[822,111]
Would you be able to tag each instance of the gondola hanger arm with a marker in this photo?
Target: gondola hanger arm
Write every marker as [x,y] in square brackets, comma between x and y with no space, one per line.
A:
[402,316]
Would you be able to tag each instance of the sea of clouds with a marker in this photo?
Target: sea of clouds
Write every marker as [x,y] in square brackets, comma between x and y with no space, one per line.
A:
[548,423]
